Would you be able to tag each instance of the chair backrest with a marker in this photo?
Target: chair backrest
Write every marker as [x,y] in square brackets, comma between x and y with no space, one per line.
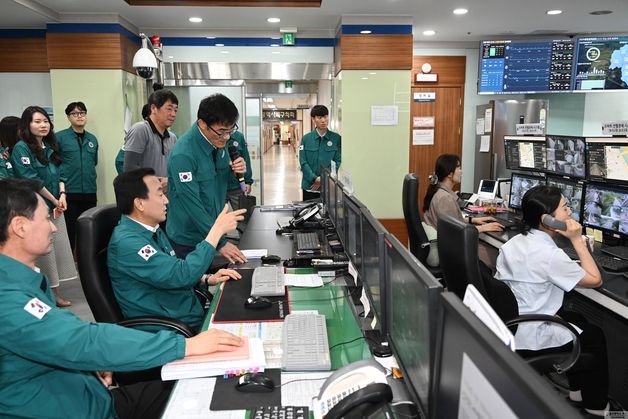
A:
[458,252]
[94,229]
[416,234]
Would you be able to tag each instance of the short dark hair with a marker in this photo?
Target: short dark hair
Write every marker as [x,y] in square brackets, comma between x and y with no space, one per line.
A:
[539,200]
[145,111]
[218,109]
[73,105]
[130,185]
[319,110]
[160,97]
[18,197]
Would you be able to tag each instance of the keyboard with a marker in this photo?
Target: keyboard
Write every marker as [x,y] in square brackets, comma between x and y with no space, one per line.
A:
[268,281]
[606,262]
[304,342]
[280,412]
[308,242]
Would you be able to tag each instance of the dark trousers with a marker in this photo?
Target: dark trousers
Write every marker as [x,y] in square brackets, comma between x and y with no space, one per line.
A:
[78,203]
[310,195]
[590,379]
[145,400]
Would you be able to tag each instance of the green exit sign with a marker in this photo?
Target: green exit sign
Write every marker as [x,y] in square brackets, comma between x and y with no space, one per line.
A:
[287,84]
[288,38]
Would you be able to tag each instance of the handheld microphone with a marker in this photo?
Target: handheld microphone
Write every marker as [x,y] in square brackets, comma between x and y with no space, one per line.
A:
[233,154]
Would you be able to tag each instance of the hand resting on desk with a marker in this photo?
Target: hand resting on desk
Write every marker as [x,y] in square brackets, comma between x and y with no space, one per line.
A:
[485,224]
[212,340]
[221,275]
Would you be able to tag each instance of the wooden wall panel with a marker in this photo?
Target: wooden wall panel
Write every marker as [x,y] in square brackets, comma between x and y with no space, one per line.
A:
[85,50]
[367,52]
[23,55]
[396,227]
[128,48]
[450,70]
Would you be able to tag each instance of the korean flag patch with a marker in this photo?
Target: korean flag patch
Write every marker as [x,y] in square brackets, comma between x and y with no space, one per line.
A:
[146,252]
[185,176]
[37,308]
[26,160]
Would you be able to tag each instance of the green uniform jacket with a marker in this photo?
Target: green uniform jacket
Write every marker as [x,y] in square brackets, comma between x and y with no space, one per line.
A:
[6,169]
[120,161]
[26,165]
[78,161]
[316,151]
[237,140]
[148,279]
[198,175]
[47,355]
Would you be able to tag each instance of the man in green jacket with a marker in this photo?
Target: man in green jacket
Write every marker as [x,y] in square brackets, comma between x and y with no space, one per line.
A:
[55,365]
[235,190]
[79,156]
[318,148]
[147,277]
[199,171]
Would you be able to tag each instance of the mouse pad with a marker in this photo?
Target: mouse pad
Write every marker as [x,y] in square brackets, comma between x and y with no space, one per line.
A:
[231,308]
[226,397]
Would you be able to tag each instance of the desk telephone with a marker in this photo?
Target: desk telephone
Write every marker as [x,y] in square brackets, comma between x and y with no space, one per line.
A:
[353,392]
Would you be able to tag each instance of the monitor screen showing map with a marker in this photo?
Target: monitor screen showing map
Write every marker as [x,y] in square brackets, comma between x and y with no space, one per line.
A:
[607,158]
[601,63]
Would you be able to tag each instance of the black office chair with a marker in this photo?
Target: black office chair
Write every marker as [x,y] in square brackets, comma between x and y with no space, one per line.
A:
[458,251]
[94,229]
[419,243]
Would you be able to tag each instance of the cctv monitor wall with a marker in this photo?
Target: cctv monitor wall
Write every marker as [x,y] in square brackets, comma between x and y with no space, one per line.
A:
[607,159]
[476,375]
[413,309]
[519,185]
[572,191]
[606,208]
[565,156]
[525,153]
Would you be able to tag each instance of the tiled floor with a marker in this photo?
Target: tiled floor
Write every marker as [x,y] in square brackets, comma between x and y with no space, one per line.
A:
[282,183]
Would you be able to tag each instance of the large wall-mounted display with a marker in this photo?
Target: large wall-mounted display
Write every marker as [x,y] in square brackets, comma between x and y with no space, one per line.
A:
[601,63]
[525,66]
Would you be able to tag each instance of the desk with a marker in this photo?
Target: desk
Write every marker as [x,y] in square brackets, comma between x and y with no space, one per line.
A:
[191,398]
[607,308]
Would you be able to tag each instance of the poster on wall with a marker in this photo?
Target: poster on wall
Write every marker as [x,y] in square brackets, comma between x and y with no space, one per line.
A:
[422,136]
[423,122]
[384,115]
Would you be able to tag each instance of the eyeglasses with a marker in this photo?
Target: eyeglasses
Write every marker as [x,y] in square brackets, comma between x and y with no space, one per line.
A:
[225,133]
[78,114]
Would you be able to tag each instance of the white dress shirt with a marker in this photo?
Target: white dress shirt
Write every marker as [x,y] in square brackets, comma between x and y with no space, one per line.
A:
[538,272]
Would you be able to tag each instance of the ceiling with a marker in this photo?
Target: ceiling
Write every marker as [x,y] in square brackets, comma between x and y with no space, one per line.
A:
[487,19]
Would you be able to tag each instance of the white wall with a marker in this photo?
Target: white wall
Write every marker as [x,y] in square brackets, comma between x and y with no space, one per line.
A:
[20,90]
[601,107]
[192,54]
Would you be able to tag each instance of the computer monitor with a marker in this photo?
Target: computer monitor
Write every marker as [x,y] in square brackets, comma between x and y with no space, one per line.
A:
[353,230]
[413,310]
[476,375]
[340,212]
[600,63]
[572,191]
[607,159]
[565,156]
[524,153]
[606,208]
[519,185]
[324,185]
[373,268]
[487,189]
[331,200]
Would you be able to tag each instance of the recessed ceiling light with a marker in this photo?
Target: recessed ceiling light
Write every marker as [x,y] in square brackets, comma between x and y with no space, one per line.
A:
[429,32]
[365,32]
[554,12]
[170,56]
[210,37]
[275,52]
[220,45]
[601,12]
[372,73]
[224,52]
[460,11]
[364,78]
[194,19]
[274,45]
[273,20]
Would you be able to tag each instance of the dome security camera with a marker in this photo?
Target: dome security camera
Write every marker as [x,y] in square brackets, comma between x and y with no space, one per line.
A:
[145,61]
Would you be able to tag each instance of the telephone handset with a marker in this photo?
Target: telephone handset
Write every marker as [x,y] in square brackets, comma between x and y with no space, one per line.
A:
[305,214]
[551,222]
[352,388]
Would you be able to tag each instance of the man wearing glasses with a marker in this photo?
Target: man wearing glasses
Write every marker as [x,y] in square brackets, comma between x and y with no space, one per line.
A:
[199,171]
[79,157]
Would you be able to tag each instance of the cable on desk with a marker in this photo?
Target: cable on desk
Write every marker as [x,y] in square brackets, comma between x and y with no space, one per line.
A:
[300,379]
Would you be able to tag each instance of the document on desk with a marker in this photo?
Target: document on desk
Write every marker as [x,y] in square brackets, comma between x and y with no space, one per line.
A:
[256,361]
[269,332]
[300,393]
[303,280]
[254,253]
[190,399]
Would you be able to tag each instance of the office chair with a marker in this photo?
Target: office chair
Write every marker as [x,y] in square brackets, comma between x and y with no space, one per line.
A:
[458,251]
[94,229]
[419,243]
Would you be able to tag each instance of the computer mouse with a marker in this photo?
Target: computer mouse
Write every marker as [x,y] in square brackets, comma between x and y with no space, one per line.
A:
[255,383]
[272,259]
[257,303]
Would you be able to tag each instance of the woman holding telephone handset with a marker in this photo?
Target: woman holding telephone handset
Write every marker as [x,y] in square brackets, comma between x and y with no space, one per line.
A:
[36,156]
[539,273]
